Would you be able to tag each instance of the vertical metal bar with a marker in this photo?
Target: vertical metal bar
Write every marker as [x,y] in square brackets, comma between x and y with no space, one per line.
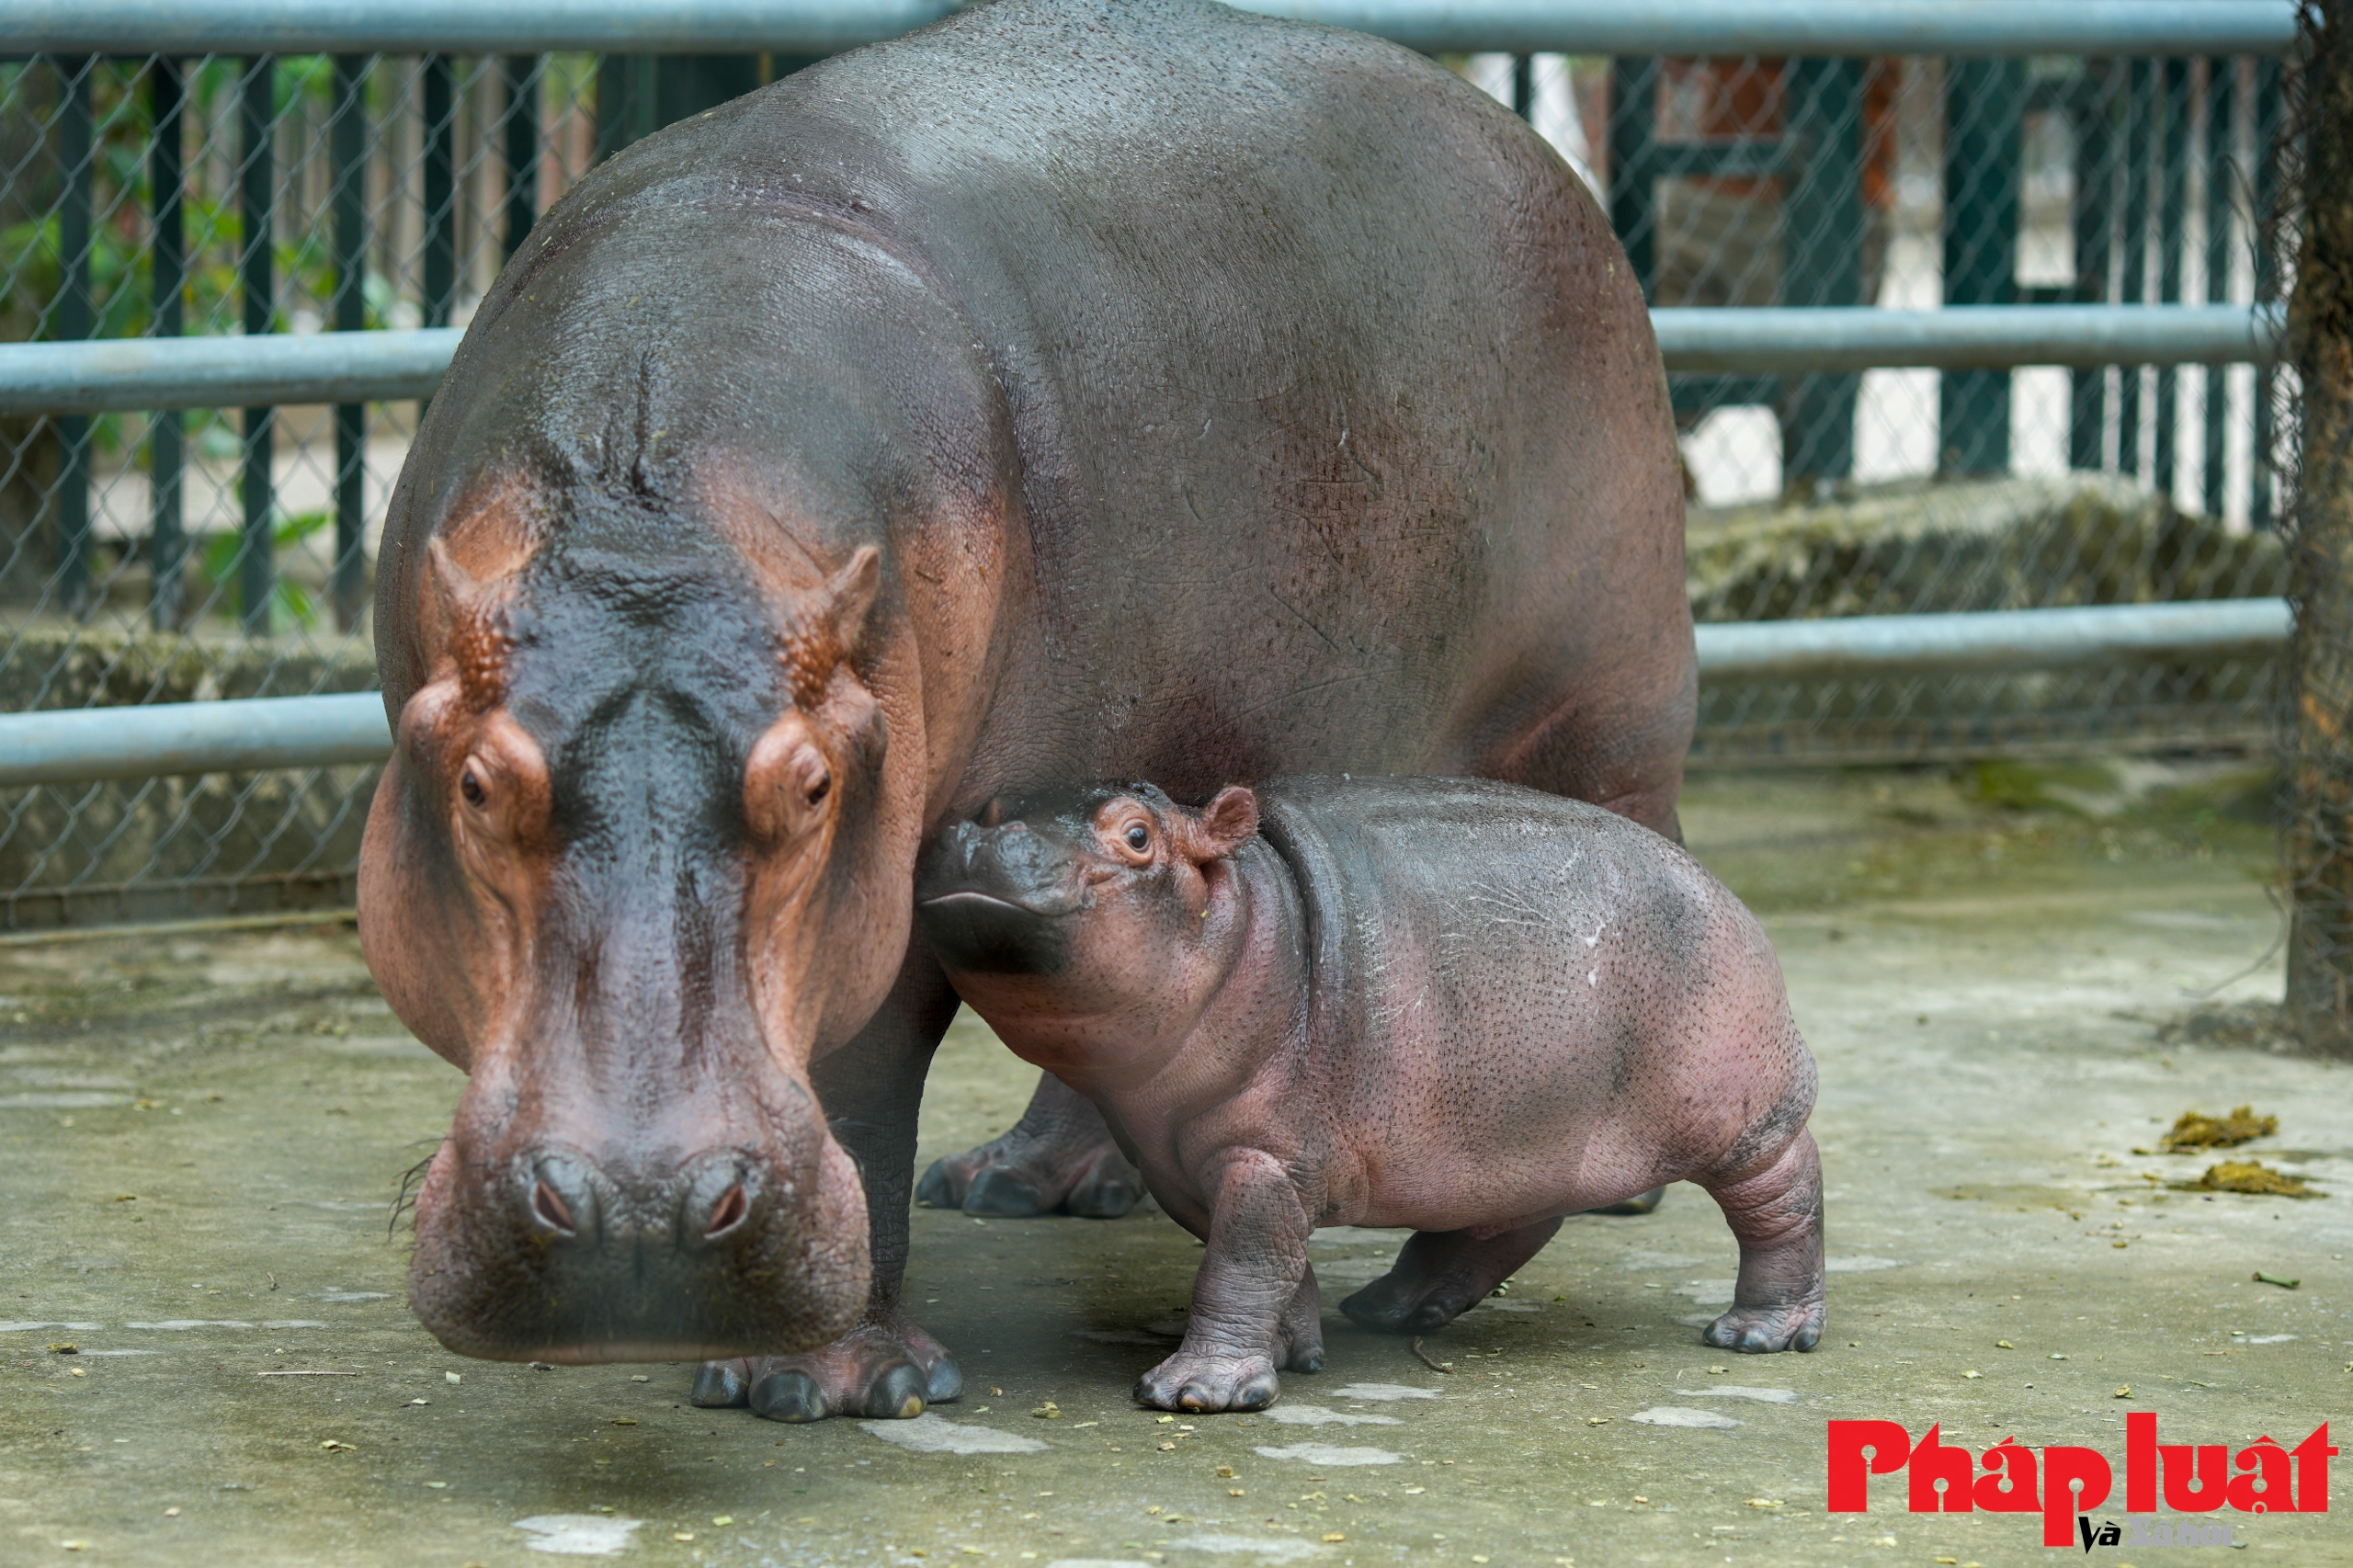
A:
[441,190]
[645,97]
[2172,208]
[2095,222]
[256,187]
[347,153]
[1633,128]
[629,88]
[1523,86]
[2269,106]
[2222,182]
[1985,113]
[166,430]
[2140,93]
[523,148]
[613,111]
[1822,227]
[72,319]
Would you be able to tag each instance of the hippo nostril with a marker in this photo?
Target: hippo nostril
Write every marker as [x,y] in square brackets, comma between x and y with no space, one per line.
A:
[549,1208]
[729,1213]
[565,1199]
[723,1190]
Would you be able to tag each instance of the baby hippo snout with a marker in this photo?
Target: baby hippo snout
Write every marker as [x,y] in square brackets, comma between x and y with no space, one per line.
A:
[992,899]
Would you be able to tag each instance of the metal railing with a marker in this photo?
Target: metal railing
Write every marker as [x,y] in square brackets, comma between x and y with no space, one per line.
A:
[1721,28]
[1794,196]
[140,374]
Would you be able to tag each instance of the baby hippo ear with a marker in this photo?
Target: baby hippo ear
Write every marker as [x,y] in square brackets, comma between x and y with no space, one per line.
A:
[1226,823]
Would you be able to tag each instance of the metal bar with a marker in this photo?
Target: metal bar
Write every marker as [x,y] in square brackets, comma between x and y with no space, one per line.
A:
[2095,223]
[2173,199]
[2134,219]
[89,744]
[1633,187]
[138,373]
[257,183]
[166,432]
[1523,86]
[1991,640]
[1966,337]
[2271,108]
[523,148]
[2222,138]
[347,155]
[85,744]
[125,374]
[827,27]
[441,190]
[628,101]
[73,319]
[1822,227]
[1985,117]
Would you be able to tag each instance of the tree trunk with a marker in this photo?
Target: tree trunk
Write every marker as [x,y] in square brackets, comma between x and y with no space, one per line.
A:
[2320,827]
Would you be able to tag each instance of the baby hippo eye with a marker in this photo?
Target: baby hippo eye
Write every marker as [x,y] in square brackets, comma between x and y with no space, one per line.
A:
[1139,837]
[471,787]
[818,788]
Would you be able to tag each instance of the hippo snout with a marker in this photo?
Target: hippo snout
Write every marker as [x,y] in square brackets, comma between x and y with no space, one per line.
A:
[994,899]
[533,1246]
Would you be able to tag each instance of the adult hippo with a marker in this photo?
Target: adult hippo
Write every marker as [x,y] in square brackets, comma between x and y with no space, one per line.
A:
[1070,389]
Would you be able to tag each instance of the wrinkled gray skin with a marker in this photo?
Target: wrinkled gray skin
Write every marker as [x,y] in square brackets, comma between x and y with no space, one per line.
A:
[1450,1004]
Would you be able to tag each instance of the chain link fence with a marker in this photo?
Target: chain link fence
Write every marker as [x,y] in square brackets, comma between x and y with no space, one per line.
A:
[228,552]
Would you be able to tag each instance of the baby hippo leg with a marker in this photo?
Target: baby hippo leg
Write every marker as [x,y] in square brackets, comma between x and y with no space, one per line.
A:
[1254,1300]
[1440,1275]
[1776,1214]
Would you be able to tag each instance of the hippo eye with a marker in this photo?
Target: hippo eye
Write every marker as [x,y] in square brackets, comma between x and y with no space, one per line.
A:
[1139,837]
[471,787]
[819,788]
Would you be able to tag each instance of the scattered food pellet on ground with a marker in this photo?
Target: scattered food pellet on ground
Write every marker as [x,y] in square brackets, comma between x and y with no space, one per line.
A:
[2195,1129]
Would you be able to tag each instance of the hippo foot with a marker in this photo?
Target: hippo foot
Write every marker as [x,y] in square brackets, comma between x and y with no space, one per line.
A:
[1202,1384]
[1018,1176]
[1439,1276]
[882,1370]
[1757,1331]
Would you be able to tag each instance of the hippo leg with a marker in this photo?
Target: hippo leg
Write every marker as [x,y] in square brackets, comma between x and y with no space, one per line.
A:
[1776,1213]
[886,1365]
[1440,1275]
[1253,1300]
[1060,1155]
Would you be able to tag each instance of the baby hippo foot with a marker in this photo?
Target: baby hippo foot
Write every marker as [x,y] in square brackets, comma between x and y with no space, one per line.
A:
[1218,1376]
[883,1369]
[1204,1384]
[1755,1331]
[1059,1156]
[1440,1275]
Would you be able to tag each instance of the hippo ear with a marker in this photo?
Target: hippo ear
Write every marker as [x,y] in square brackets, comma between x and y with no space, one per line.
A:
[1226,823]
[849,596]
[459,624]
[827,629]
[449,594]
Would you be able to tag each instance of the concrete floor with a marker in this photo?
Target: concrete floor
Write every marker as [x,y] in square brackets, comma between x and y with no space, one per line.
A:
[200,1135]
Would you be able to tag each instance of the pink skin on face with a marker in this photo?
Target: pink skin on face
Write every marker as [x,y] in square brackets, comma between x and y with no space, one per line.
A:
[1451,1005]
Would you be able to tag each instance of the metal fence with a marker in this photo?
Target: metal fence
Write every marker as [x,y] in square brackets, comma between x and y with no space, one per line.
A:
[255,198]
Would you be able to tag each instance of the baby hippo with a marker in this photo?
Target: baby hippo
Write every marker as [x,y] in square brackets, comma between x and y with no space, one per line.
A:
[1451,1004]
